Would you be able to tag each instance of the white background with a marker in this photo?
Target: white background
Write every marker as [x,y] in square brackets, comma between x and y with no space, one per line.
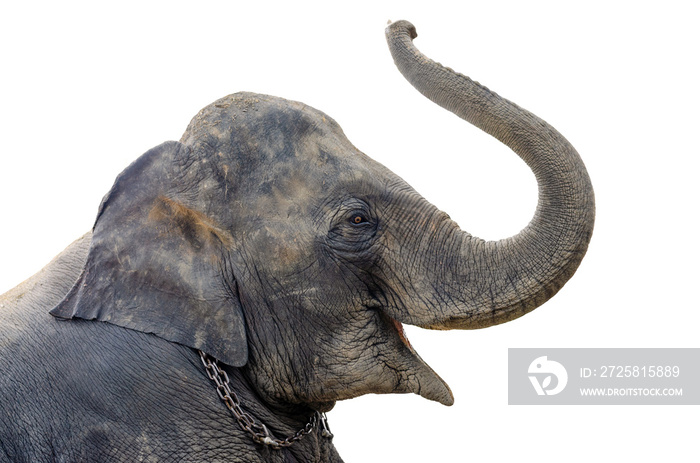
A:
[86,88]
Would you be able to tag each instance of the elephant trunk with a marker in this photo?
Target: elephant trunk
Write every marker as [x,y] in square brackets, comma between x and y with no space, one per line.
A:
[487,283]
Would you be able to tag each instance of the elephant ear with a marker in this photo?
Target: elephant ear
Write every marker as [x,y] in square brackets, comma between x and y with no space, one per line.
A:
[157,264]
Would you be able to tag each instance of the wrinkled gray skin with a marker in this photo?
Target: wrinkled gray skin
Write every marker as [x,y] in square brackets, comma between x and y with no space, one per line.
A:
[267,240]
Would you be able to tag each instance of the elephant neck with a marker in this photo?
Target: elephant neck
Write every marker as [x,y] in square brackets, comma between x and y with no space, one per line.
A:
[301,424]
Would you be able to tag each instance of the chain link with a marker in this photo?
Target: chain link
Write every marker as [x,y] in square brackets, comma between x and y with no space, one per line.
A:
[258,431]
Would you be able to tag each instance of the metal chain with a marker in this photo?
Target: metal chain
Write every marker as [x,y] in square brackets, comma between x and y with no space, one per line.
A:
[258,431]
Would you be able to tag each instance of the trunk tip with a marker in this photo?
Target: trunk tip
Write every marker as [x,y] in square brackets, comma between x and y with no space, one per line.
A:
[402,26]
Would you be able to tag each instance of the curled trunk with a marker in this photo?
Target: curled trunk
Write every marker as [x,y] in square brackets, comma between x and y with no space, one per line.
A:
[486,283]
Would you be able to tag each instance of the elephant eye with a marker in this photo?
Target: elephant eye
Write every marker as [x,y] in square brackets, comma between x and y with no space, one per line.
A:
[358,219]
[353,230]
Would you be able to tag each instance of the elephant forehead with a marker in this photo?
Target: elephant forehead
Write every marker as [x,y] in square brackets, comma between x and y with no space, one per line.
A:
[261,123]
[293,187]
[263,131]
[272,146]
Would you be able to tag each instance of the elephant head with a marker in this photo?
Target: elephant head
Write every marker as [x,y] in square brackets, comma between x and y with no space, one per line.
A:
[267,240]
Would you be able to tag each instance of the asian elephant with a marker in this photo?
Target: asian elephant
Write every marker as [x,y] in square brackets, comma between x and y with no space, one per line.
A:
[266,241]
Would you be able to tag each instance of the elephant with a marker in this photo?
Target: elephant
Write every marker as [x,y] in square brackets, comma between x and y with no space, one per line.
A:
[239,282]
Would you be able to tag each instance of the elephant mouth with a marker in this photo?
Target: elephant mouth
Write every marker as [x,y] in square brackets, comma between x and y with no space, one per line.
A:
[417,376]
[398,326]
